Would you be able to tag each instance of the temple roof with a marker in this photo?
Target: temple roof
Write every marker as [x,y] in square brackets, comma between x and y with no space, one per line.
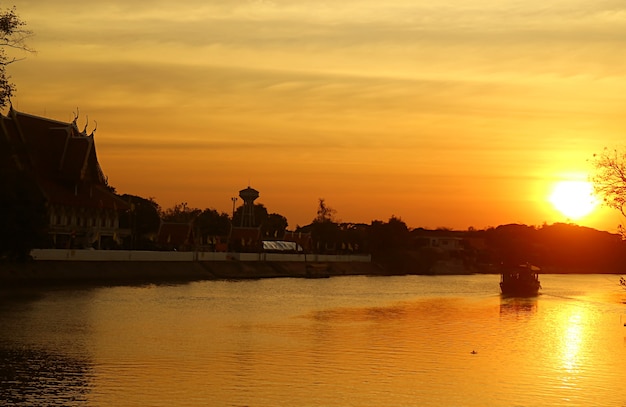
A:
[175,234]
[246,233]
[62,159]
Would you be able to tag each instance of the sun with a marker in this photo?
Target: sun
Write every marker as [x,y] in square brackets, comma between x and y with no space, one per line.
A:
[574,199]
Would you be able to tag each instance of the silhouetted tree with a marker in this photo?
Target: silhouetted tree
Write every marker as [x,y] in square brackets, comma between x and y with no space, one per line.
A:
[391,235]
[324,212]
[23,219]
[12,35]
[609,179]
[22,204]
[513,243]
[212,223]
[577,248]
[143,220]
[609,182]
[355,237]
[274,226]
[324,229]
[180,213]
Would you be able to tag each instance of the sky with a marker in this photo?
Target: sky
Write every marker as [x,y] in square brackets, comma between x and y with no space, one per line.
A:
[450,114]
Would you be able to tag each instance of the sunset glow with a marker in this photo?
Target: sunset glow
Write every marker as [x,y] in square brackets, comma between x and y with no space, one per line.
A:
[452,114]
[574,199]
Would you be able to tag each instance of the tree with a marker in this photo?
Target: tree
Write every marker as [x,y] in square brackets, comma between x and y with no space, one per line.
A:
[325,214]
[325,230]
[22,205]
[609,179]
[143,220]
[23,219]
[180,213]
[274,226]
[609,182]
[12,35]
[212,223]
[391,235]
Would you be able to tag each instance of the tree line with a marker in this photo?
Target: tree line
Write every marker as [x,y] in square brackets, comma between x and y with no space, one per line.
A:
[559,247]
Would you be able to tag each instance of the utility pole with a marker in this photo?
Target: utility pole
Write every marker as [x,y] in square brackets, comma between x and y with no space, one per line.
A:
[234,199]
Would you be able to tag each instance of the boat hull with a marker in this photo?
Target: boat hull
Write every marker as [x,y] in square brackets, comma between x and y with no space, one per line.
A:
[520,290]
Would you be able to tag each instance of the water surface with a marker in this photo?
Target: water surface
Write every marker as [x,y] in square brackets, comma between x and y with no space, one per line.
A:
[344,341]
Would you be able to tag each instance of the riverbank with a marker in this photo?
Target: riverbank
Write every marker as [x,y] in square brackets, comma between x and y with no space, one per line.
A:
[118,272]
[111,267]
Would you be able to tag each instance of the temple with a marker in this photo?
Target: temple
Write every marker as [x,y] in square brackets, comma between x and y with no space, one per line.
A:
[83,210]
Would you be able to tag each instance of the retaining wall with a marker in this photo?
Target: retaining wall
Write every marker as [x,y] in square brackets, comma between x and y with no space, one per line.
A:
[137,255]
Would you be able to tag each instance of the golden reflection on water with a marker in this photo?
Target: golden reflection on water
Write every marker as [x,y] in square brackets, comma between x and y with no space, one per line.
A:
[573,336]
[336,342]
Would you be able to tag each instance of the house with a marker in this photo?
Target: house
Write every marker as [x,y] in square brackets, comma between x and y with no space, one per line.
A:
[447,243]
[245,239]
[83,210]
[176,236]
[302,239]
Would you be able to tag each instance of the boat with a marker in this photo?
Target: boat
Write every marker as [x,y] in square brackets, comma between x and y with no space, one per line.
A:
[520,280]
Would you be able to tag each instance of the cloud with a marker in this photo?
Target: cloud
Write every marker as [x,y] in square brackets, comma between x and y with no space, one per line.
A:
[450,41]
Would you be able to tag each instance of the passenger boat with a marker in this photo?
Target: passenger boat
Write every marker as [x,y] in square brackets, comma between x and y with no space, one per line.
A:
[520,280]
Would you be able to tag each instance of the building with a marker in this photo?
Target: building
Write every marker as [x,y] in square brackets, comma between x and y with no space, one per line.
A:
[245,239]
[302,239]
[83,211]
[176,236]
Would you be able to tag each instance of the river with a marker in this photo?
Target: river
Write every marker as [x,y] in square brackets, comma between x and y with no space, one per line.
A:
[341,341]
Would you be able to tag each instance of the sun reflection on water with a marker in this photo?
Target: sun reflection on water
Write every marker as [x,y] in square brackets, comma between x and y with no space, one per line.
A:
[411,340]
[572,342]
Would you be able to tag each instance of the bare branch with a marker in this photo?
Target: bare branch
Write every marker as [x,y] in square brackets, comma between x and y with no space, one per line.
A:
[12,36]
[609,179]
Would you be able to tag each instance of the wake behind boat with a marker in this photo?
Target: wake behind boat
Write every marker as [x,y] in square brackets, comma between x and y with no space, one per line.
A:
[520,280]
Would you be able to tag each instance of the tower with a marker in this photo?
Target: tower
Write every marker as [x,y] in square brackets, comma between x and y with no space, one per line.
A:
[248,195]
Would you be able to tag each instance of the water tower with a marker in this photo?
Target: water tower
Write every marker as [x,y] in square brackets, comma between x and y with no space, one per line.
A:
[248,195]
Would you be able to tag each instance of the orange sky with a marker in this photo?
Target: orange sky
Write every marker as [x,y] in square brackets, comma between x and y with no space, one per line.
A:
[446,114]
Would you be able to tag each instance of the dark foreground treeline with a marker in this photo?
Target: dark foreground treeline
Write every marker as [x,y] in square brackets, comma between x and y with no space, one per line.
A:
[557,248]
[399,249]
[395,247]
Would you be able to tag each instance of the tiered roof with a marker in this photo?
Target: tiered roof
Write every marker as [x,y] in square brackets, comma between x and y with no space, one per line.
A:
[62,158]
[172,234]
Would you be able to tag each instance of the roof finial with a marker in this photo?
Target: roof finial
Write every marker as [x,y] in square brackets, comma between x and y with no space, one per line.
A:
[94,129]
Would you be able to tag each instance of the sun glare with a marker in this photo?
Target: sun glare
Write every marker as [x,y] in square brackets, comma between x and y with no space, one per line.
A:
[574,199]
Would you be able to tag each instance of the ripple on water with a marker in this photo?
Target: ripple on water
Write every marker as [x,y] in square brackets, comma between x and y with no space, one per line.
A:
[336,342]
